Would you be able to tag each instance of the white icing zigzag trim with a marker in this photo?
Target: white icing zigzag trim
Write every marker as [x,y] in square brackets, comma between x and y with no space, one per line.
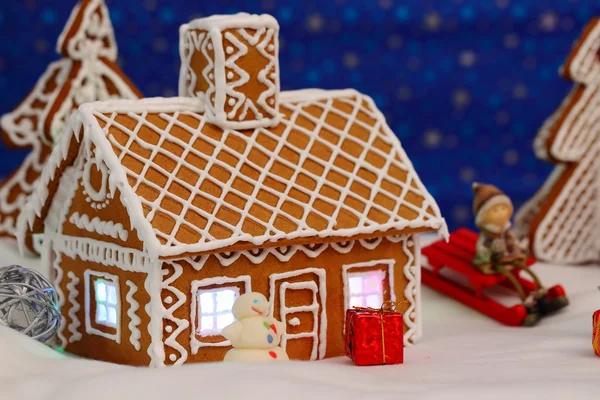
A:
[49,257]
[136,334]
[223,86]
[285,254]
[412,292]
[75,307]
[167,310]
[96,225]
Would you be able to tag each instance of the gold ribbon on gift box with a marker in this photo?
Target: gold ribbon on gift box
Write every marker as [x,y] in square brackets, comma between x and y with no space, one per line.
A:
[386,308]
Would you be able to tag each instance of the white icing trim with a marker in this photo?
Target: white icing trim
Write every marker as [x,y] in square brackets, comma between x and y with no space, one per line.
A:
[322,289]
[294,321]
[197,285]
[390,262]
[240,20]
[54,259]
[343,247]
[96,225]
[156,311]
[80,46]
[221,87]
[75,307]
[584,66]
[135,321]
[88,274]
[104,253]
[569,230]
[414,318]
[167,310]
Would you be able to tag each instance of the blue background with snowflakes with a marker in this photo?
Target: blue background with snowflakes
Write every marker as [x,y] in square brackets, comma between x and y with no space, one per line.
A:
[465,84]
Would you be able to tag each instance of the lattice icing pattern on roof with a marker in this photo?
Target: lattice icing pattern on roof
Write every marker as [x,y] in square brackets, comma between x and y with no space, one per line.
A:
[331,168]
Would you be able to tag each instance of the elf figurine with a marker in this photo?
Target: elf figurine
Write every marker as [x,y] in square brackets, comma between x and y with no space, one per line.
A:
[498,251]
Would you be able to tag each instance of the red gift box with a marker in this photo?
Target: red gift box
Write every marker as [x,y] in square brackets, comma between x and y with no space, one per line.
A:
[374,336]
[596,332]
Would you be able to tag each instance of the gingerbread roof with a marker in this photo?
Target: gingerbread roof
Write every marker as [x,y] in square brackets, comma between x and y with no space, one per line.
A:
[330,170]
[87,72]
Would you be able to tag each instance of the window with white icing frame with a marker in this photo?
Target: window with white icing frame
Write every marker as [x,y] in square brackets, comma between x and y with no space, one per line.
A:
[366,288]
[105,293]
[368,284]
[103,305]
[212,302]
[214,309]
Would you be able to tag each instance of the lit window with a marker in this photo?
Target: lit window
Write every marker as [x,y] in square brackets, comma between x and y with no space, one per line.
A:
[366,288]
[106,302]
[215,310]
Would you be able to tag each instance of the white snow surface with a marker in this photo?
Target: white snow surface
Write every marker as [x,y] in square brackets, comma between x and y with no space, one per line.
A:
[463,355]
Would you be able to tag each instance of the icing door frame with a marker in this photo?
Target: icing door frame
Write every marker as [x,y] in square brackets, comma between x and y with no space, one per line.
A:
[281,286]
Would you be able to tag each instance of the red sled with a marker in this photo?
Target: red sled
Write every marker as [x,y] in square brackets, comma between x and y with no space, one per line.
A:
[457,255]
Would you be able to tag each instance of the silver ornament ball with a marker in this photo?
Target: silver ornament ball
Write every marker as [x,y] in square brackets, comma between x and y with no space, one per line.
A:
[28,303]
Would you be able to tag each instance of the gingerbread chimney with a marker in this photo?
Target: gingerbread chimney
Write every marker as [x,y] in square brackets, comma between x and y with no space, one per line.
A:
[231,63]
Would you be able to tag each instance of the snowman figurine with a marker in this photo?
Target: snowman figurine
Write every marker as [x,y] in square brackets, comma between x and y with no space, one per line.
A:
[255,336]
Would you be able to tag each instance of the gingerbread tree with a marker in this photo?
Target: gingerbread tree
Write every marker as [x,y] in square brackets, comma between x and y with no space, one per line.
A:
[562,221]
[87,71]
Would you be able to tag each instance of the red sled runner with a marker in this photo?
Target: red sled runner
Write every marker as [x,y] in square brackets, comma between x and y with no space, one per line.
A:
[457,255]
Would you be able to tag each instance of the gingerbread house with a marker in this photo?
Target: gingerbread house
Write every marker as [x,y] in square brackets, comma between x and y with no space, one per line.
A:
[157,213]
[86,72]
[561,222]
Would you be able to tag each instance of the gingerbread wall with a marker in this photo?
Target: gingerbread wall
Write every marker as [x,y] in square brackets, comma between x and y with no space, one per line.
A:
[96,241]
[72,284]
[326,269]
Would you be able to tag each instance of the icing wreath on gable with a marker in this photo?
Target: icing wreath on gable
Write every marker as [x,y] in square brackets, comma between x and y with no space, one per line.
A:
[96,193]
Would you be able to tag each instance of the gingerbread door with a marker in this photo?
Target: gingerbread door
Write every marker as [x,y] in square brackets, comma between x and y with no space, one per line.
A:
[298,300]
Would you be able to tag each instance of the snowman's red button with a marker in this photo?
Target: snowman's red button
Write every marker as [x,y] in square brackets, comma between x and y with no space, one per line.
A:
[273,354]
